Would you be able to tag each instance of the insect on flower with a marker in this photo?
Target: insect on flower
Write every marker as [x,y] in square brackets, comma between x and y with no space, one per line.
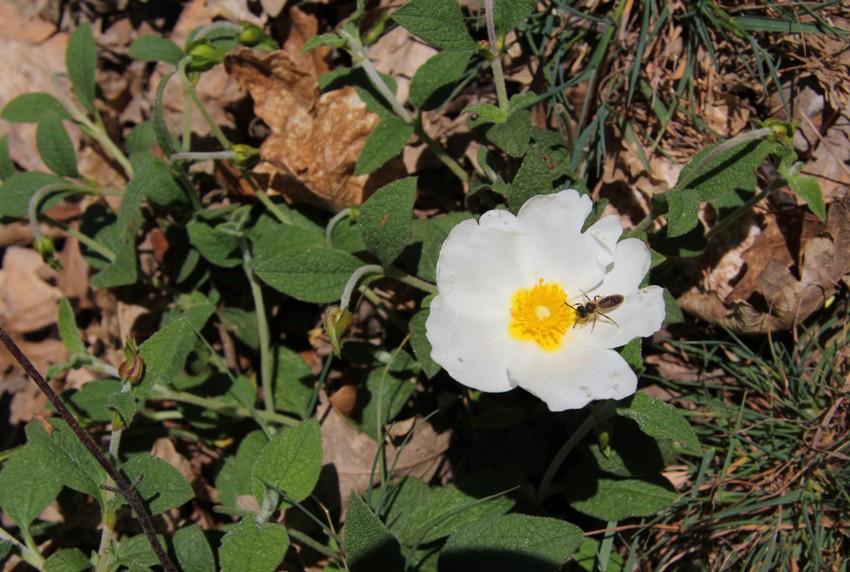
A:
[592,310]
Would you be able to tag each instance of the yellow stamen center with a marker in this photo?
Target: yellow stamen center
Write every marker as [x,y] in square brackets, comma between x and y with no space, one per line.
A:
[540,315]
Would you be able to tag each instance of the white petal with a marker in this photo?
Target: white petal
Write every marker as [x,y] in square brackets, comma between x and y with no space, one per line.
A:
[640,315]
[606,231]
[574,376]
[489,261]
[562,253]
[474,350]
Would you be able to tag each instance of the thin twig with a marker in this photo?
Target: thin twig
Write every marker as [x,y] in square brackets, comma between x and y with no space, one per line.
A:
[128,491]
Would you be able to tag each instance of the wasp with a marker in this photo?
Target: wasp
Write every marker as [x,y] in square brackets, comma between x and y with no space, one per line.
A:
[592,310]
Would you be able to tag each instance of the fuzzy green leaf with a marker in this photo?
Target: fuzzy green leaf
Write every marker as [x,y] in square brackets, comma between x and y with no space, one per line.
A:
[91,399]
[808,189]
[164,354]
[155,48]
[509,15]
[251,547]
[291,462]
[27,485]
[513,135]
[163,136]
[420,344]
[532,179]
[7,166]
[234,479]
[17,190]
[68,330]
[220,248]
[55,147]
[386,141]
[124,404]
[68,560]
[438,22]
[611,498]
[192,549]
[509,543]
[369,546]
[162,487]
[31,107]
[294,382]
[387,390]
[433,82]
[81,61]
[385,218]
[659,419]
[310,275]
[67,458]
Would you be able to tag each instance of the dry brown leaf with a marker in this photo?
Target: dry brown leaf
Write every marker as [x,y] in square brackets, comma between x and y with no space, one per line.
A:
[27,302]
[399,54]
[770,296]
[303,27]
[315,141]
[28,399]
[348,455]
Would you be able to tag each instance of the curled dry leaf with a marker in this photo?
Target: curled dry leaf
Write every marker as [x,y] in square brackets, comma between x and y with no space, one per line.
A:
[315,140]
[348,455]
[788,272]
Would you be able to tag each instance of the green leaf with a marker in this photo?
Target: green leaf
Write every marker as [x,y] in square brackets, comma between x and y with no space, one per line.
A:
[220,248]
[808,189]
[192,549]
[633,354]
[438,22]
[91,399]
[81,61]
[31,107]
[387,390]
[17,190]
[708,176]
[164,354]
[7,166]
[68,330]
[294,382]
[136,553]
[141,138]
[155,48]
[513,135]
[310,275]
[509,15]
[386,141]
[420,344]
[160,128]
[418,514]
[27,485]
[124,404]
[674,314]
[291,462]
[68,458]
[162,487]
[486,113]
[509,543]
[433,82]
[68,560]
[161,187]
[242,324]
[330,40]
[55,147]
[532,179]
[235,477]
[426,240]
[587,556]
[269,238]
[369,546]
[251,547]
[659,419]
[611,498]
[385,218]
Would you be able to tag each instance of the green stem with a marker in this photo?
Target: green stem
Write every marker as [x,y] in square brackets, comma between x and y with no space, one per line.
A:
[204,155]
[91,243]
[441,154]
[307,541]
[104,558]
[262,329]
[95,132]
[161,393]
[267,202]
[344,213]
[32,558]
[599,414]
[317,387]
[495,58]
[41,194]
[345,300]
[413,281]
[189,89]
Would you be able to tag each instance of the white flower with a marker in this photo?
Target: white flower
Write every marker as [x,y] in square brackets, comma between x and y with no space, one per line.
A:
[512,291]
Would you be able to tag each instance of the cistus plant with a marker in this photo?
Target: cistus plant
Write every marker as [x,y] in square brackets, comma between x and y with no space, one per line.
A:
[434,319]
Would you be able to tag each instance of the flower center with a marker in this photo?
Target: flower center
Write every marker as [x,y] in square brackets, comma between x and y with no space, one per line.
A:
[540,315]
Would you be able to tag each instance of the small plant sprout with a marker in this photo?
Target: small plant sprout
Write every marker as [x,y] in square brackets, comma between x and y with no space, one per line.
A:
[500,319]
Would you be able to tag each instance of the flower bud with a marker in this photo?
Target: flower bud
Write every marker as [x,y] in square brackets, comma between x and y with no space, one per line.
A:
[250,35]
[132,368]
[337,323]
[204,57]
